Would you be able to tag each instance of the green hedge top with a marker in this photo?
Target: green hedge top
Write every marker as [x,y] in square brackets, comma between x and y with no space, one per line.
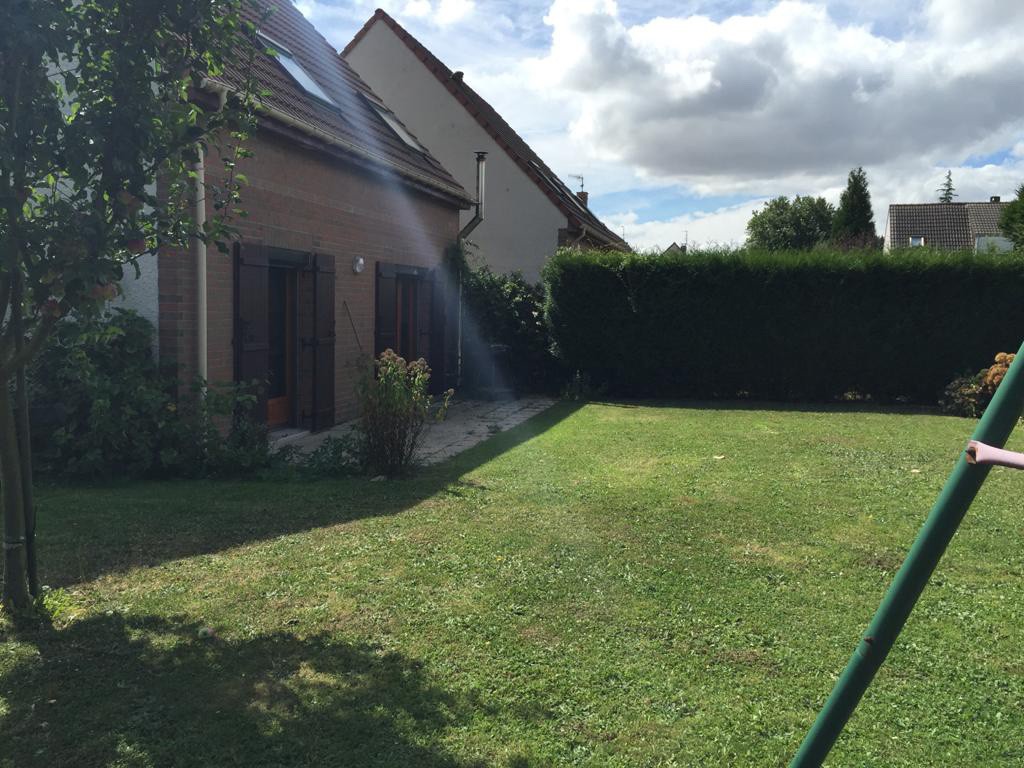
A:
[807,325]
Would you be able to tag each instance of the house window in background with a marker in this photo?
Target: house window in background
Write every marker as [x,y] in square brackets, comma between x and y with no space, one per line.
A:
[916,240]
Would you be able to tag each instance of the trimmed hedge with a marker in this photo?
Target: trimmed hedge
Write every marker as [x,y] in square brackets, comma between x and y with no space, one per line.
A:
[812,325]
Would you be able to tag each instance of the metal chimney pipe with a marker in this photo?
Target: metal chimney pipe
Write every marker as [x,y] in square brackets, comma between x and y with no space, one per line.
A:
[481,185]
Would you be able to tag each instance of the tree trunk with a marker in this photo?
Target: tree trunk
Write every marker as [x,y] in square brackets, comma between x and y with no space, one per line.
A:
[21,428]
[16,594]
[24,432]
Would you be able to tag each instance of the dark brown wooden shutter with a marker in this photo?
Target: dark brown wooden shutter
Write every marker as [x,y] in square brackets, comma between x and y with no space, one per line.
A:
[251,341]
[323,385]
[386,317]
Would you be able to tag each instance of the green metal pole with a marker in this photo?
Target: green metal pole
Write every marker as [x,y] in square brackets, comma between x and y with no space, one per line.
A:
[960,489]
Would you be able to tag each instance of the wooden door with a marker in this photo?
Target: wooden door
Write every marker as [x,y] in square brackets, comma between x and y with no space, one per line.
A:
[407,316]
[280,346]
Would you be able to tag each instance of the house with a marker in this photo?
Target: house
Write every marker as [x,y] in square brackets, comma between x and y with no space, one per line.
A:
[530,212]
[950,226]
[674,250]
[339,256]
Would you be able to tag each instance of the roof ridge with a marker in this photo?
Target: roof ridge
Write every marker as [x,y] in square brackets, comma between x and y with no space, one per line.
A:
[557,191]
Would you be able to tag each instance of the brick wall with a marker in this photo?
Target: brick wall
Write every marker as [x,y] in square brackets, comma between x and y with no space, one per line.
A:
[301,199]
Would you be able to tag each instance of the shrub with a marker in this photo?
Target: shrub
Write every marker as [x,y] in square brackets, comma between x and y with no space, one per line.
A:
[970,395]
[786,326]
[505,310]
[102,408]
[334,457]
[394,405]
[99,403]
[215,434]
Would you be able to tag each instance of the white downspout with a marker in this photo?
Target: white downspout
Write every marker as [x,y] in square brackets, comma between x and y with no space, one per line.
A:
[199,217]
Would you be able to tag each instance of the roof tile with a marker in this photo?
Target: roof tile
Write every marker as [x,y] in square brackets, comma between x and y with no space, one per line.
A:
[354,121]
[943,225]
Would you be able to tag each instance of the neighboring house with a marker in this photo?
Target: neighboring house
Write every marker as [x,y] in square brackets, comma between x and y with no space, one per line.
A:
[674,250]
[348,219]
[950,226]
[529,211]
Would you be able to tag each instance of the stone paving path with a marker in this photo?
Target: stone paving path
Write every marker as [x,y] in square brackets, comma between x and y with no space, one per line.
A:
[468,422]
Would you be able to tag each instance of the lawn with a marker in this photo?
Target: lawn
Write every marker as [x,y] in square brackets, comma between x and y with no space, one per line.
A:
[611,585]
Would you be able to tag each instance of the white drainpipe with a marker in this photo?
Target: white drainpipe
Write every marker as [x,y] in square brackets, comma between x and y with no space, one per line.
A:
[199,217]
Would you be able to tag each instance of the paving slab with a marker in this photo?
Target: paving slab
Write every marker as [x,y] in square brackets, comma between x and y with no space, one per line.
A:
[468,423]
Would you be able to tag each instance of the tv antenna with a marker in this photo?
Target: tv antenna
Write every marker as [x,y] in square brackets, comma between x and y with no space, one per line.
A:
[578,178]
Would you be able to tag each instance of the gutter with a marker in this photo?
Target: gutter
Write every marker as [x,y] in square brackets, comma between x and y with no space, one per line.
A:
[199,246]
[583,234]
[478,217]
[199,219]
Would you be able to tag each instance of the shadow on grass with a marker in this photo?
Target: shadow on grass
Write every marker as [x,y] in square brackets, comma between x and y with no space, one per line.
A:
[84,533]
[142,691]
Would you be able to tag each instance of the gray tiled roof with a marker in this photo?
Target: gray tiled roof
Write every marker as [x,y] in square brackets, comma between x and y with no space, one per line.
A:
[351,118]
[943,225]
[984,219]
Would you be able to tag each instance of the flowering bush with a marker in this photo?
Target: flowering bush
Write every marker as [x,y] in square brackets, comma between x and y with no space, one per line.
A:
[970,395]
[395,403]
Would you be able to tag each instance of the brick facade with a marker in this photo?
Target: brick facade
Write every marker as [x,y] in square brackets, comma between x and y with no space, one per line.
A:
[300,198]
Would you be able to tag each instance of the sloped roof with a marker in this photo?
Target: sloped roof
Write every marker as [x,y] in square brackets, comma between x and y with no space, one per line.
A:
[984,219]
[943,225]
[547,181]
[353,124]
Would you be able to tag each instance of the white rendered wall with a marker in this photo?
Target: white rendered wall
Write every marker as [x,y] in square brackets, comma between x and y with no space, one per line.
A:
[142,294]
[520,227]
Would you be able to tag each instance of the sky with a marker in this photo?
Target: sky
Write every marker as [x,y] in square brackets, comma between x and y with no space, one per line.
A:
[684,117]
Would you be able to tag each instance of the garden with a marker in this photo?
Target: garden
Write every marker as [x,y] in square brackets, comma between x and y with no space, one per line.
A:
[617,583]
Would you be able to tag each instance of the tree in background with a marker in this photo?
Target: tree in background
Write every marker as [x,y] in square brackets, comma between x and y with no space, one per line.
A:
[947,191]
[1011,221]
[785,225]
[96,101]
[853,225]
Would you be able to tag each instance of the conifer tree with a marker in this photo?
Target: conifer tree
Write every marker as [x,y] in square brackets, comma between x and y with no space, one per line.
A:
[854,223]
[947,191]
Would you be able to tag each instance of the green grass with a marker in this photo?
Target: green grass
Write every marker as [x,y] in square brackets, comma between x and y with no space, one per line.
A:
[596,587]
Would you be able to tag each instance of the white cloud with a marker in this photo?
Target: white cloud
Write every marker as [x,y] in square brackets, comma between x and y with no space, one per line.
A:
[451,11]
[417,9]
[724,226]
[441,13]
[782,98]
[788,94]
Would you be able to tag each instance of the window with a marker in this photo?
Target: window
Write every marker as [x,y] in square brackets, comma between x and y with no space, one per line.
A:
[392,122]
[916,240]
[398,128]
[287,60]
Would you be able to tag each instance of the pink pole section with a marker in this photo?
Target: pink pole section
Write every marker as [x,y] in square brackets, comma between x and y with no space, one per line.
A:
[979,453]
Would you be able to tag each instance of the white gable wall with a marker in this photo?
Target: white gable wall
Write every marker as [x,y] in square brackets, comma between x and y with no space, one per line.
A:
[520,227]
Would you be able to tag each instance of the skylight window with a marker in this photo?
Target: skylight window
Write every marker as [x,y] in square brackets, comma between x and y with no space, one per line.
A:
[287,60]
[392,122]
[398,128]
